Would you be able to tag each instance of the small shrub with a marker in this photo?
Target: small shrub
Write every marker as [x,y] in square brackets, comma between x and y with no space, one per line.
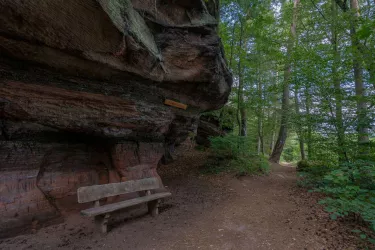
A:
[302,165]
[312,172]
[288,154]
[231,146]
[311,166]
[232,153]
[264,165]
[350,188]
[251,165]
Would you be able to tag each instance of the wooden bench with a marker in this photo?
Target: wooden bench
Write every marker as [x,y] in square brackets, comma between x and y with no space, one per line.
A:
[102,213]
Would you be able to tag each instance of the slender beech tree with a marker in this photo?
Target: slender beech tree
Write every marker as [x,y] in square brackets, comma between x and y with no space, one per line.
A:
[283,132]
[300,133]
[337,87]
[363,139]
[358,55]
[260,113]
[241,111]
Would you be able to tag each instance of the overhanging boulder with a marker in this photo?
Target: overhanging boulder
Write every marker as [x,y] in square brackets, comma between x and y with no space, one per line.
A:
[82,91]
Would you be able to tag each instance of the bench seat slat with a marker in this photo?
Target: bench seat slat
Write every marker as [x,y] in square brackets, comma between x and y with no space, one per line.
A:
[97,192]
[128,203]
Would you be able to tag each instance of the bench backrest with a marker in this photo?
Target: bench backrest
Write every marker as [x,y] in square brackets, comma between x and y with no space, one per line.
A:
[97,192]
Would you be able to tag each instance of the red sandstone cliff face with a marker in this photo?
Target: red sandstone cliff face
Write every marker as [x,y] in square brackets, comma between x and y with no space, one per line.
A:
[82,86]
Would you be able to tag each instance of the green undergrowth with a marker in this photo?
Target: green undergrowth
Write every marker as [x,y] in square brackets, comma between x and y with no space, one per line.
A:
[232,154]
[349,189]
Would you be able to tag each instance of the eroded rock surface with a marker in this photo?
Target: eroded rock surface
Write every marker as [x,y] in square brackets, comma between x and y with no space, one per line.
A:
[82,87]
[209,126]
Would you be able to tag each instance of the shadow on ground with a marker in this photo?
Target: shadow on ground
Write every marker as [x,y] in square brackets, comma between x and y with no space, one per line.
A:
[208,212]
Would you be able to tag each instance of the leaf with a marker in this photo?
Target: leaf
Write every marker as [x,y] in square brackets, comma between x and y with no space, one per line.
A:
[356,231]
[371,240]
[364,32]
[363,236]
[333,216]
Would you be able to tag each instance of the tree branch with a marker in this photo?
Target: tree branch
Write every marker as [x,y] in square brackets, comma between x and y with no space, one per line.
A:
[320,12]
[342,4]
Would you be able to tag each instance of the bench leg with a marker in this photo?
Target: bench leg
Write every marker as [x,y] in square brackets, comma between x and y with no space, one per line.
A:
[102,222]
[153,207]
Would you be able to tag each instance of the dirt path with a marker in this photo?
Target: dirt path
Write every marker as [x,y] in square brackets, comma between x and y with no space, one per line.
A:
[209,212]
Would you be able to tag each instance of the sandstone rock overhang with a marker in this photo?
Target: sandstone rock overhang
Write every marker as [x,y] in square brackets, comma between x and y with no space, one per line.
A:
[82,91]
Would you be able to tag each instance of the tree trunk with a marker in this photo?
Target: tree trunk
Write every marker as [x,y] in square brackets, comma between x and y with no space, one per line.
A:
[260,137]
[309,124]
[337,89]
[260,116]
[274,118]
[283,132]
[243,120]
[231,46]
[273,133]
[241,111]
[299,124]
[362,127]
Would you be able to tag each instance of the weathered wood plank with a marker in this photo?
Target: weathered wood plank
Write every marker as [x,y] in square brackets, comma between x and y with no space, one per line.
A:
[175,104]
[97,192]
[128,203]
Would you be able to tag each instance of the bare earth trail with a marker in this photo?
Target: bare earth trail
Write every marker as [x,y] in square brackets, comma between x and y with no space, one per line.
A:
[209,212]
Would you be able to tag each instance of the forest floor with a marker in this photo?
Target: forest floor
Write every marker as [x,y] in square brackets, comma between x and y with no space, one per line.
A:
[209,212]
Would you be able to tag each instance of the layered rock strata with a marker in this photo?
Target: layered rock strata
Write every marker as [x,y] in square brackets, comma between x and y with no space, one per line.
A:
[82,91]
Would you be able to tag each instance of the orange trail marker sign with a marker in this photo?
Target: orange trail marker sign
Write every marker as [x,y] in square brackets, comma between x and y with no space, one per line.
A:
[175,104]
